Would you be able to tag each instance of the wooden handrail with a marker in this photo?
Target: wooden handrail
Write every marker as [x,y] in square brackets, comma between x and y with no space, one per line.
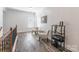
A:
[10,39]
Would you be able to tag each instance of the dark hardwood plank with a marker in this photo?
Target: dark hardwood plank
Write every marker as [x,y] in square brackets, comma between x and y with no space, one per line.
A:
[27,42]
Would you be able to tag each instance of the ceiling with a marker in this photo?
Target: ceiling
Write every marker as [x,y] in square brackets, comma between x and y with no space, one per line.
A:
[30,9]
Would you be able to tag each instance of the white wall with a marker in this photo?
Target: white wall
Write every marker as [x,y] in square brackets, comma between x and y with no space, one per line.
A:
[11,17]
[1,20]
[70,16]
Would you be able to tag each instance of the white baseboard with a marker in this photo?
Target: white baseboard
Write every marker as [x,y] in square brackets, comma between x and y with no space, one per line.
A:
[73,49]
[25,32]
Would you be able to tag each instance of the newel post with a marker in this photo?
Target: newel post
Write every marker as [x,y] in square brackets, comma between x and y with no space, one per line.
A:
[10,39]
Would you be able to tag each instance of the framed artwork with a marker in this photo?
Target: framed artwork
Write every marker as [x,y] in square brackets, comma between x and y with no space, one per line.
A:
[44,19]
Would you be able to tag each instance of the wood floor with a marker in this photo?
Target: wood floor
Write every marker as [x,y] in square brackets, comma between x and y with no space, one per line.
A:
[28,42]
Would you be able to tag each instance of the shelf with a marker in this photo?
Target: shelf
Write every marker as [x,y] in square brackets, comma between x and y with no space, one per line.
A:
[58,36]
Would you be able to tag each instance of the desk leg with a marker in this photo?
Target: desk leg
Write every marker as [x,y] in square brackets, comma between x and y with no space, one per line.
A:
[39,38]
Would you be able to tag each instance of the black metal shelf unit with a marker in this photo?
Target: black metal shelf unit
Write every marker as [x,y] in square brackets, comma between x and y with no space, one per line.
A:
[58,36]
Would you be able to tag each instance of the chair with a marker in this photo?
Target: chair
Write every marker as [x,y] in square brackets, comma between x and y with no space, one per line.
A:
[43,36]
[35,30]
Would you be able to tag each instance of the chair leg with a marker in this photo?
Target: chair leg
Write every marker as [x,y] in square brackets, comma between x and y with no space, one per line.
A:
[47,39]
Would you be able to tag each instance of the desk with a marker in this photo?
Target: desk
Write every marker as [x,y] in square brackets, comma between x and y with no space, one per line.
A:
[36,30]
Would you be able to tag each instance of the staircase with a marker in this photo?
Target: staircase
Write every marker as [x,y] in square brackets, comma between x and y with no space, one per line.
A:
[9,39]
[6,44]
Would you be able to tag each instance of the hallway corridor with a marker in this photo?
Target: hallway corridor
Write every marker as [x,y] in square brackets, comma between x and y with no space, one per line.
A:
[28,42]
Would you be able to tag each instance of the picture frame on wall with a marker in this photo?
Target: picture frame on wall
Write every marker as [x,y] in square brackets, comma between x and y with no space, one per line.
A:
[44,19]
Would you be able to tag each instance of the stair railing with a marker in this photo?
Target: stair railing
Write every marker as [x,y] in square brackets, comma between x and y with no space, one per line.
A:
[8,39]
